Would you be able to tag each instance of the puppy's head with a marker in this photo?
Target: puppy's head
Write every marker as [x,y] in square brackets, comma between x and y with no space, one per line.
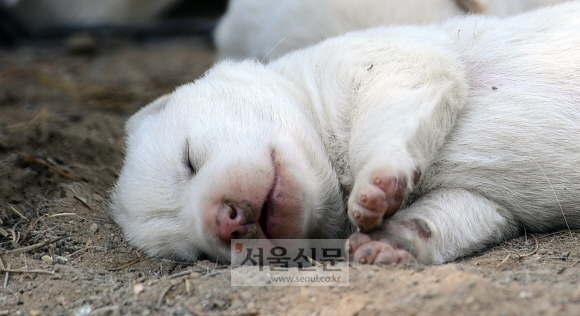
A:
[232,155]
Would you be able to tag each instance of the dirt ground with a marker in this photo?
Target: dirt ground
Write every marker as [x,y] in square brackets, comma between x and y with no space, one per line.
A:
[61,146]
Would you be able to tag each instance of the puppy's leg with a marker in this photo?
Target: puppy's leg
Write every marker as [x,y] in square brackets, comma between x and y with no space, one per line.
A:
[439,227]
[392,143]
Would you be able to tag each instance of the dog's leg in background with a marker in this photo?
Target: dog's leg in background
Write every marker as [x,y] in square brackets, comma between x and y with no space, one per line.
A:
[441,226]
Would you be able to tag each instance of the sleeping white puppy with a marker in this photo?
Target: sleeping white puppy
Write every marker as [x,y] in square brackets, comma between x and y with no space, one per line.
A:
[438,139]
[266,29]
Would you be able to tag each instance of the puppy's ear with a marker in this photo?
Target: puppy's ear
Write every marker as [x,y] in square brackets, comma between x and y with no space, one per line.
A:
[149,110]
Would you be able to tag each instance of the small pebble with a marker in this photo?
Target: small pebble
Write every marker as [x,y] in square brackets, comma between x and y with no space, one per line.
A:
[60,260]
[94,228]
[84,310]
[138,288]
[47,259]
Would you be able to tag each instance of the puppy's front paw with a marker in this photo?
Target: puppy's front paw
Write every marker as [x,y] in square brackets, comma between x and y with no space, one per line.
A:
[404,242]
[387,249]
[376,197]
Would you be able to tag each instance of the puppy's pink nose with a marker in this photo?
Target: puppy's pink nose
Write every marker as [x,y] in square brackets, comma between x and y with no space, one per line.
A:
[232,222]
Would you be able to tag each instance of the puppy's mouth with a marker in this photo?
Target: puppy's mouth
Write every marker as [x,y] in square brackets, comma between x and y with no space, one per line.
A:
[280,214]
[269,205]
[263,221]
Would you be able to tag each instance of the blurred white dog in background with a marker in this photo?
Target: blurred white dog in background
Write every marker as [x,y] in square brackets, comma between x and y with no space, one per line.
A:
[266,29]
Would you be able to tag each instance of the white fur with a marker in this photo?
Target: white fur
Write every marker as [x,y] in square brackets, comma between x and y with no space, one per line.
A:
[266,29]
[488,110]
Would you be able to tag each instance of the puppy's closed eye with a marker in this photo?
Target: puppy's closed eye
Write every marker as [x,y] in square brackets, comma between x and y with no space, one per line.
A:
[187,160]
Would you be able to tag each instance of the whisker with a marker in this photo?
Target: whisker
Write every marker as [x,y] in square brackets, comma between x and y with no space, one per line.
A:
[275,45]
[554,191]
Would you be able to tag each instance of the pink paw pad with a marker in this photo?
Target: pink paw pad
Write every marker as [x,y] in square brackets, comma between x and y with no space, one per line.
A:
[382,251]
[398,243]
[377,200]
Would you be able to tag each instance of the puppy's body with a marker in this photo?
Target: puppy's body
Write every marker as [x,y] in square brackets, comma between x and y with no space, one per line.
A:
[266,29]
[443,139]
